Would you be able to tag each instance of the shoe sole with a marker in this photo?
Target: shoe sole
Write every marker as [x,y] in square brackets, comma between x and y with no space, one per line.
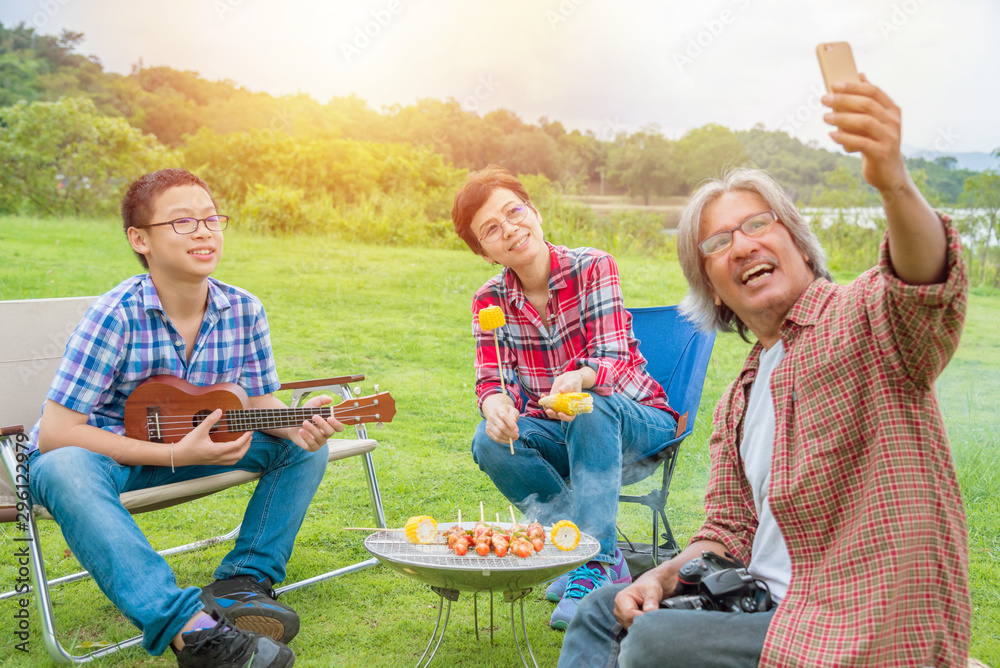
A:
[265,626]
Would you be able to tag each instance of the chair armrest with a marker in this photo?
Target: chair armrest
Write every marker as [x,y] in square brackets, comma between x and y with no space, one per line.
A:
[321,382]
[10,438]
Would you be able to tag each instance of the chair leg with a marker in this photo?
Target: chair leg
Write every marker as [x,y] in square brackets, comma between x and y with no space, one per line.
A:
[44,606]
[379,512]
[373,490]
[669,542]
[36,568]
[189,547]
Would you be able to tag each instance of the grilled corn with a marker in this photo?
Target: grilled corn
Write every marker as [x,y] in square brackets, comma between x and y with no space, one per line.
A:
[421,529]
[490,317]
[565,535]
[569,403]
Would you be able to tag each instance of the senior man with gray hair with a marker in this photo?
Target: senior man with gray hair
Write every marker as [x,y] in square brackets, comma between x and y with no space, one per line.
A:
[831,472]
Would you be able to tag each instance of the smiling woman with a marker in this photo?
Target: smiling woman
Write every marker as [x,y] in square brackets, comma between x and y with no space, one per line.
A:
[565,329]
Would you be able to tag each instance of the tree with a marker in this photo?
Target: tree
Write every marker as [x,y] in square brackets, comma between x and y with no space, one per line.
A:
[65,157]
[644,163]
[708,151]
[982,195]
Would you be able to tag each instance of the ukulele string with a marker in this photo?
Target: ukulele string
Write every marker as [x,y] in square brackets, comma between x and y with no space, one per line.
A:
[281,417]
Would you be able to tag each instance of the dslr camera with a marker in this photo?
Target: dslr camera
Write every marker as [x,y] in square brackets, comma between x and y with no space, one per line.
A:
[711,582]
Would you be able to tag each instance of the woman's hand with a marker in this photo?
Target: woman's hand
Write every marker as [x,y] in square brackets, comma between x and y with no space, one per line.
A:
[501,418]
[571,381]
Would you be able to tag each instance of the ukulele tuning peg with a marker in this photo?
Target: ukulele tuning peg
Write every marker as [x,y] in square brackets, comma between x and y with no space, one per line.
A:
[376,388]
[379,425]
[357,391]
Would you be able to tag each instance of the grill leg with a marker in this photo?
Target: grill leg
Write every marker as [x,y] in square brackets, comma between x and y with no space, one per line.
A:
[518,596]
[475,612]
[445,594]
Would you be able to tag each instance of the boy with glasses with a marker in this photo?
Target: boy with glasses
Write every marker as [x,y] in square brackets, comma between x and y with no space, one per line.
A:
[179,321]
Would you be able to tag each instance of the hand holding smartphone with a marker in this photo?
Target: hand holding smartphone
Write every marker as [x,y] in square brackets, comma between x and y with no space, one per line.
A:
[837,64]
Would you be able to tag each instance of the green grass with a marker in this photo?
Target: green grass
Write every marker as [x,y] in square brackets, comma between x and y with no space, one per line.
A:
[401,317]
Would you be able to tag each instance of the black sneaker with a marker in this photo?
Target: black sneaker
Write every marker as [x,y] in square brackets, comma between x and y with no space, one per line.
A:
[250,605]
[223,646]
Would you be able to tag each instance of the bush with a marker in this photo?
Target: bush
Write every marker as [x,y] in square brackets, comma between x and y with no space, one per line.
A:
[59,158]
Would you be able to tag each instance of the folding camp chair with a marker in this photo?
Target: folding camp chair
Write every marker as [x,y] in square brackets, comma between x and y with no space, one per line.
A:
[677,356]
[33,334]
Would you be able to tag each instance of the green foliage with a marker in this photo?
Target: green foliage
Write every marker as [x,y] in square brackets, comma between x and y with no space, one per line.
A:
[981,225]
[843,188]
[850,238]
[708,152]
[65,157]
[345,154]
[798,167]
[644,163]
[942,179]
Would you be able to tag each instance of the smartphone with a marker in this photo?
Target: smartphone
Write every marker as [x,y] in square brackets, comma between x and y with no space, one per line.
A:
[837,64]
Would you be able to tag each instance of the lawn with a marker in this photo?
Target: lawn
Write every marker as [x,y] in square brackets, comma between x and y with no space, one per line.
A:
[401,317]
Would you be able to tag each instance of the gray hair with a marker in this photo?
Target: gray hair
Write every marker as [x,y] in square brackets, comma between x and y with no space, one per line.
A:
[699,305]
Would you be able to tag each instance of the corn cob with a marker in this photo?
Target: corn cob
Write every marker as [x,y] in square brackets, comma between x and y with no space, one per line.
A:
[565,535]
[490,317]
[421,529]
[569,403]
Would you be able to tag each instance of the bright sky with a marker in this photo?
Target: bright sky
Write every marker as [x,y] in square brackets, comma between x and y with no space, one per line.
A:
[603,65]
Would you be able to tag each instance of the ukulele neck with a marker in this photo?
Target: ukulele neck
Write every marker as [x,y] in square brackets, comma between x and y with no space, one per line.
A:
[262,419]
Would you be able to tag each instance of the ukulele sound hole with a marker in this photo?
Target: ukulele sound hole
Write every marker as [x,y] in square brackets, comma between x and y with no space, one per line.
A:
[200,416]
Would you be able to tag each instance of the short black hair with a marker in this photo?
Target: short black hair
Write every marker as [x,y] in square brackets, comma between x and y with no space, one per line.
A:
[137,204]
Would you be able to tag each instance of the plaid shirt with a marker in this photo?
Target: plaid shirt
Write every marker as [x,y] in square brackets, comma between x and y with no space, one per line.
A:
[125,337]
[862,483]
[585,324]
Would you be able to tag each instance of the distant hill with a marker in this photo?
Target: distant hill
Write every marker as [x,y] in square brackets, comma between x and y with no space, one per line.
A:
[977,161]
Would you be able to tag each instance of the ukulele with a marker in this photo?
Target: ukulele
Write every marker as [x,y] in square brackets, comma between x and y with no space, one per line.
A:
[164,409]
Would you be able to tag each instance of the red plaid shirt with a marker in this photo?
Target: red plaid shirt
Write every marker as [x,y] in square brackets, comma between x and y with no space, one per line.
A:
[862,482]
[585,324]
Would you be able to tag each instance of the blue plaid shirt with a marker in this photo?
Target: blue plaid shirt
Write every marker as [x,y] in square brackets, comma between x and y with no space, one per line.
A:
[125,338]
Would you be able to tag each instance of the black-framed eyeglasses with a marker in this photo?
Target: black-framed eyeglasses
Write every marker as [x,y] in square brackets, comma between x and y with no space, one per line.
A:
[515,216]
[215,223]
[751,226]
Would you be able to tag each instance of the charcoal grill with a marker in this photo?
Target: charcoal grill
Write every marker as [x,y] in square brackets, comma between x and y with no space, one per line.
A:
[448,574]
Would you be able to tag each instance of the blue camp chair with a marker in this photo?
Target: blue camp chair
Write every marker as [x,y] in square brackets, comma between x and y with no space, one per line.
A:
[677,357]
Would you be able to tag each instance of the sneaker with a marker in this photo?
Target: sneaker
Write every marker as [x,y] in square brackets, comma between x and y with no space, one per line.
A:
[223,646]
[584,580]
[250,605]
[554,592]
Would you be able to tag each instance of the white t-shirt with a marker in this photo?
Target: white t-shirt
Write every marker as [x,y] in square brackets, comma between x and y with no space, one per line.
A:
[769,560]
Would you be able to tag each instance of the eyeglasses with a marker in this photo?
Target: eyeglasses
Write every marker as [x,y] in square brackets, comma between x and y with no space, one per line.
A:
[515,216]
[190,225]
[751,226]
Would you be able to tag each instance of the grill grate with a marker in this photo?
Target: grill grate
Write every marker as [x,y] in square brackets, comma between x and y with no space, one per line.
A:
[393,546]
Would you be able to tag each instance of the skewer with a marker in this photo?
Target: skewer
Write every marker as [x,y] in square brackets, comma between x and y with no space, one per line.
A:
[503,387]
[512,518]
[482,516]
[490,318]
[459,517]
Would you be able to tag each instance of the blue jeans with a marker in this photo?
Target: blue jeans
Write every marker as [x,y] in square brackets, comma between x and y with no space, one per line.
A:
[590,452]
[81,488]
[661,638]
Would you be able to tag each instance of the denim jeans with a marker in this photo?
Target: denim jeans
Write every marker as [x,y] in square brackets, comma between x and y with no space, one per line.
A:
[81,488]
[590,452]
[662,638]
